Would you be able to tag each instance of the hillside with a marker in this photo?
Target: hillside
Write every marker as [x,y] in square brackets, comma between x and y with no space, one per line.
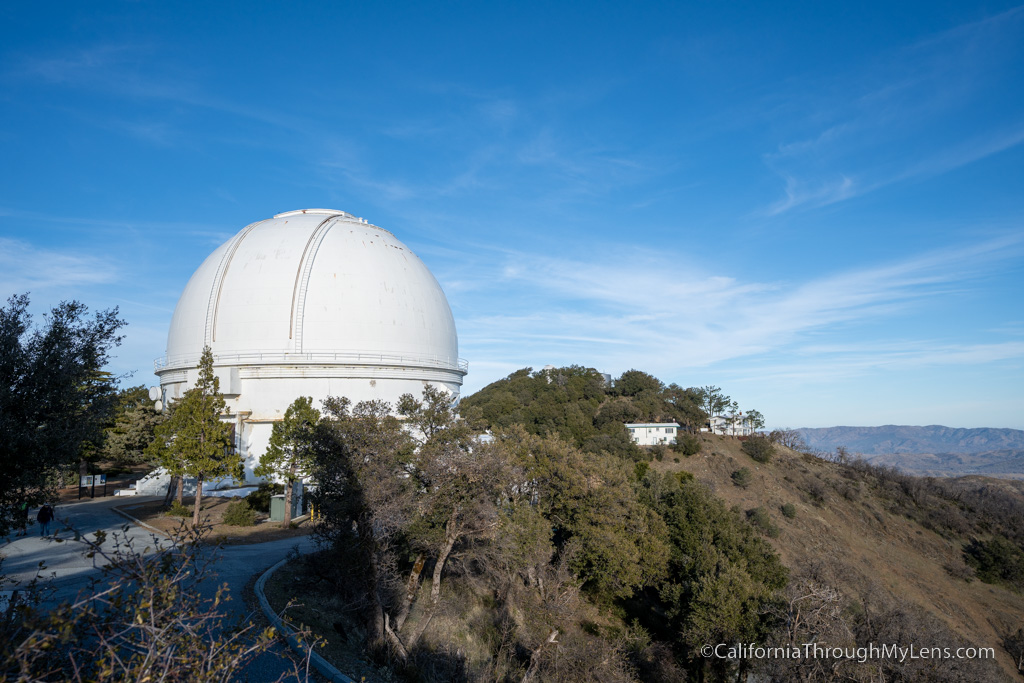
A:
[849,532]
[874,555]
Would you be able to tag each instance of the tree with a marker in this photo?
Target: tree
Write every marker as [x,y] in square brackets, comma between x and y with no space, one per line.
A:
[712,400]
[790,438]
[686,404]
[616,543]
[290,453]
[365,503]
[54,395]
[159,450]
[756,419]
[134,428]
[722,576]
[197,442]
[635,382]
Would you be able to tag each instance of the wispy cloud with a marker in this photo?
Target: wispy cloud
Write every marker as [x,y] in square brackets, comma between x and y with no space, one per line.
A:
[895,118]
[645,310]
[24,267]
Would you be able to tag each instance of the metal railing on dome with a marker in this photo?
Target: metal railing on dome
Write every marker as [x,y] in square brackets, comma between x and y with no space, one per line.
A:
[314,358]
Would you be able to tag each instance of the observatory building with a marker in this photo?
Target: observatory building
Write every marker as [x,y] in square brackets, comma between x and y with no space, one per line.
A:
[310,303]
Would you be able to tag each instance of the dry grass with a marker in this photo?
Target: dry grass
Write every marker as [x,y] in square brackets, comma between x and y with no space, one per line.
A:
[842,522]
[153,514]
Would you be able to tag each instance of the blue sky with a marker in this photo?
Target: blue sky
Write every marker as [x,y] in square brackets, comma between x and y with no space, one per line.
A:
[817,206]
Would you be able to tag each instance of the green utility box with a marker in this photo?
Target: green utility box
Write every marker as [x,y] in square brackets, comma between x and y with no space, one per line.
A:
[277,507]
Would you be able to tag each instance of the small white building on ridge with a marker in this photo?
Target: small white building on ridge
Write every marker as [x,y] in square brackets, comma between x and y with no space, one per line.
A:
[653,433]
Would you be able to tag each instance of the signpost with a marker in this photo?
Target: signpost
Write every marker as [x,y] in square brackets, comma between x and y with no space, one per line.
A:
[90,481]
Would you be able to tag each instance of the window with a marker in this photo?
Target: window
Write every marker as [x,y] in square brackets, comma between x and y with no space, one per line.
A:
[670,430]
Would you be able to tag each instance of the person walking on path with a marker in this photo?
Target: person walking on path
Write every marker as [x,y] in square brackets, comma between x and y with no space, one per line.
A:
[22,519]
[44,517]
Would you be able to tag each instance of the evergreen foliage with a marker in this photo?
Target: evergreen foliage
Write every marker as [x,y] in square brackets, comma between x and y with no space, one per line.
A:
[722,576]
[743,477]
[127,440]
[54,396]
[997,560]
[759,448]
[687,444]
[194,441]
[574,403]
[259,499]
[238,513]
[289,455]
[762,521]
[553,515]
[176,509]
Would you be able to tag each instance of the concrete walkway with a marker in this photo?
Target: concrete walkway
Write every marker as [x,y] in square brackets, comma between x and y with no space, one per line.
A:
[72,571]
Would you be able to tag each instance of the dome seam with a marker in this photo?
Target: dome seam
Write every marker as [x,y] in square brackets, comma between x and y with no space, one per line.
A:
[302,275]
[210,333]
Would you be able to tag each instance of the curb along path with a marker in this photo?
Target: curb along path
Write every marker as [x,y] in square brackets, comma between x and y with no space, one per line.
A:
[321,664]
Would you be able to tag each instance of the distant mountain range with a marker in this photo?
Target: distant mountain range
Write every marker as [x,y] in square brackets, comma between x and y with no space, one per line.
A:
[933,450]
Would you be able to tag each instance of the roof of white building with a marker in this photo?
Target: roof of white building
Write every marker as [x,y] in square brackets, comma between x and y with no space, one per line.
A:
[652,424]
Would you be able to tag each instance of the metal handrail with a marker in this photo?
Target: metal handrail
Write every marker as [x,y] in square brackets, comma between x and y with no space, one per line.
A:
[315,357]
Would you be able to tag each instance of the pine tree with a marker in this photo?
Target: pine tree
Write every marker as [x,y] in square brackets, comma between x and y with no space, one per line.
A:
[289,454]
[197,442]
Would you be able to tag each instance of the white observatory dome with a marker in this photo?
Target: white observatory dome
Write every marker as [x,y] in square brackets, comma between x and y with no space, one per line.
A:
[311,303]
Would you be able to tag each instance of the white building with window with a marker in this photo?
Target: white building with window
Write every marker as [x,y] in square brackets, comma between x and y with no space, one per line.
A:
[729,425]
[653,433]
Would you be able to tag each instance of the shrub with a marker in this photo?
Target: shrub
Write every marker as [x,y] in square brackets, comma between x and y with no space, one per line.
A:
[178,510]
[687,444]
[996,561]
[762,521]
[816,491]
[641,469]
[743,477]
[239,514]
[259,500]
[760,448]
[789,511]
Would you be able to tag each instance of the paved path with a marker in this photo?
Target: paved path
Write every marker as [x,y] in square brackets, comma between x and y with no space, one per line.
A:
[236,564]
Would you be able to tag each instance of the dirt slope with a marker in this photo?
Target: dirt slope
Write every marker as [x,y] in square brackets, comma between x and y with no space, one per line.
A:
[842,522]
